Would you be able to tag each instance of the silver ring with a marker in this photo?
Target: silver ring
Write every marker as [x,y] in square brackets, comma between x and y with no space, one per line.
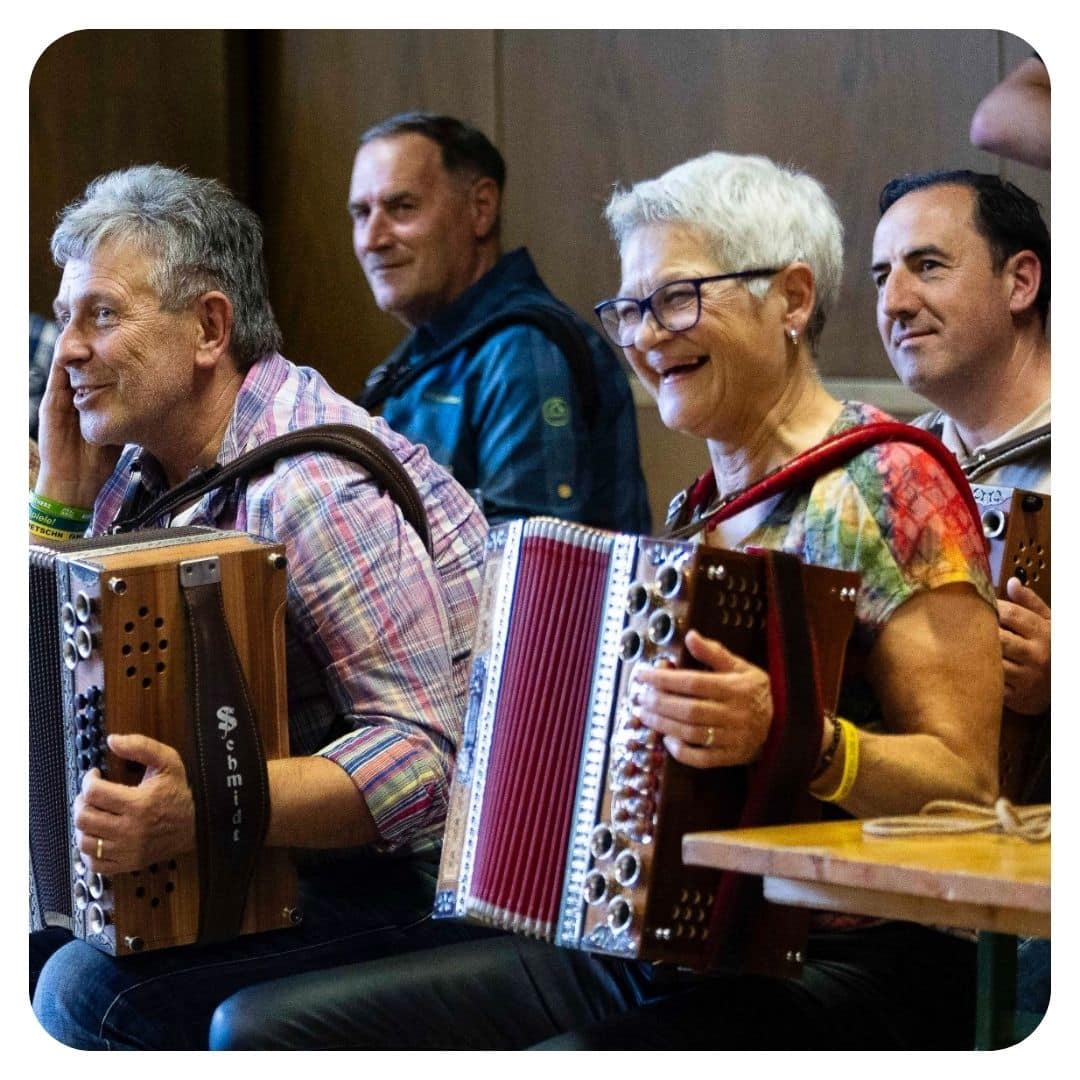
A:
[710,736]
[100,846]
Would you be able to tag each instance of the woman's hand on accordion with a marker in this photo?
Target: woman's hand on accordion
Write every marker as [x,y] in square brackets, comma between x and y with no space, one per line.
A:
[720,716]
[122,827]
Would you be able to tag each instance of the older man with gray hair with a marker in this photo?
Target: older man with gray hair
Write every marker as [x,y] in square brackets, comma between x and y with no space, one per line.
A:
[168,362]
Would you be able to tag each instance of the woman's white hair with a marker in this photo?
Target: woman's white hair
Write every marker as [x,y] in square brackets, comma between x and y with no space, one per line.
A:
[750,212]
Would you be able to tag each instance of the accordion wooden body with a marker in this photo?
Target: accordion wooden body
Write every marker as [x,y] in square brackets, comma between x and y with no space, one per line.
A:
[566,814]
[111,651]
[1016,524]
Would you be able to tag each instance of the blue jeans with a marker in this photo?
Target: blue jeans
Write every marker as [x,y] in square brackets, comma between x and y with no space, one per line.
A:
[165,999]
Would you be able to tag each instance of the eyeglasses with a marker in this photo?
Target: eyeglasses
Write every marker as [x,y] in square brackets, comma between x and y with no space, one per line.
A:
[675,306]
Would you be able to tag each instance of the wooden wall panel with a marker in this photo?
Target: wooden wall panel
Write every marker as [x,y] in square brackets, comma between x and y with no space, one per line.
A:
[320,90]
[106,99]
[276,115]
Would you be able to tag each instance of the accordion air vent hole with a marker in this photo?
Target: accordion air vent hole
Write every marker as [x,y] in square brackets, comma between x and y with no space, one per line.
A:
[143,612]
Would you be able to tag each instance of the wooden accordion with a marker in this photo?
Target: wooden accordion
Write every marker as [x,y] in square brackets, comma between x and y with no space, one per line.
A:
[1016,524]
[176,634]
[566,815]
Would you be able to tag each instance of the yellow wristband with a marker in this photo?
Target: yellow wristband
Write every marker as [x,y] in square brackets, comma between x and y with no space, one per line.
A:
[850,739]
[47,532]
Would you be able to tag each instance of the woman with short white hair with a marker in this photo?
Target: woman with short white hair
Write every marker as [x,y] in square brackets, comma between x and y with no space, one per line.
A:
[729,267]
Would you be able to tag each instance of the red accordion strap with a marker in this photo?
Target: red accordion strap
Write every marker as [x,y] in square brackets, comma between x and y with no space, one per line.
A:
[830,454]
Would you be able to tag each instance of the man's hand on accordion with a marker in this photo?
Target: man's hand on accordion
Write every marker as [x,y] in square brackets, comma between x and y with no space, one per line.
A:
[122,827]
[1025,649]
[707,718]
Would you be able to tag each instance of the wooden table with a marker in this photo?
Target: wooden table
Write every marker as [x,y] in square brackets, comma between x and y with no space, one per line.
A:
[998,885]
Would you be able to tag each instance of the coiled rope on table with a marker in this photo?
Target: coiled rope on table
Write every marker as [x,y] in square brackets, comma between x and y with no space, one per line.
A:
[949,816]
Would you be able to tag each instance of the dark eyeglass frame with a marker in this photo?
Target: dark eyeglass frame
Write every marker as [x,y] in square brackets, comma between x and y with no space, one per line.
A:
[646,305]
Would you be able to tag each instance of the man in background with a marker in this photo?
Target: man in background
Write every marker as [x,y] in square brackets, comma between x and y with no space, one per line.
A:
[522,400]
[961,262]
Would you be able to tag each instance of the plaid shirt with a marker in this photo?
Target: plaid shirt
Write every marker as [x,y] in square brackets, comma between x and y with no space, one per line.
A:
[378,637]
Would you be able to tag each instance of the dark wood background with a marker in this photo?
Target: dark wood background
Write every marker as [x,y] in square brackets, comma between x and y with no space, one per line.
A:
[276,116]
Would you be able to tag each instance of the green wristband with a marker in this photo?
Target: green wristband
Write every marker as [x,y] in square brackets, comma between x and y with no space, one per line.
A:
[56,509]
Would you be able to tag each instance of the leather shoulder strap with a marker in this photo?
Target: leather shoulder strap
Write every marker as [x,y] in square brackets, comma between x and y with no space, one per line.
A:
[829,454]
[345,440]
[393,376]
[1022,446]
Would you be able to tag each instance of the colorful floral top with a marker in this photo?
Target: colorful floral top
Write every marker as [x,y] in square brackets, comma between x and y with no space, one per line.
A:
[893,515]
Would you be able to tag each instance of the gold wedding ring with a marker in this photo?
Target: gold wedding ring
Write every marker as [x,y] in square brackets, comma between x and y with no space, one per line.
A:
[100,845]
[710,735]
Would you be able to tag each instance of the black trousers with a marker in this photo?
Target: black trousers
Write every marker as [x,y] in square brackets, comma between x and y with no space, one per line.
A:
[893,986]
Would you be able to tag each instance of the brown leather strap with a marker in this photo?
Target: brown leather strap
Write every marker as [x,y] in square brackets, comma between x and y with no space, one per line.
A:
[345,440]
[228,774]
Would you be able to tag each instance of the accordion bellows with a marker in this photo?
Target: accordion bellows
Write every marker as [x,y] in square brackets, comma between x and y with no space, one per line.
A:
[566,814]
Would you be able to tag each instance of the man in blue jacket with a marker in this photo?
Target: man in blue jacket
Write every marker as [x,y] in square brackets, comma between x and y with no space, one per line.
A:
[522,400]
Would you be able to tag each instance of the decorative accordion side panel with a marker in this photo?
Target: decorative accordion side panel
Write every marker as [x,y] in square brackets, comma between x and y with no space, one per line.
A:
[1017,527]
[566,814]
[1016,524]
[110,654]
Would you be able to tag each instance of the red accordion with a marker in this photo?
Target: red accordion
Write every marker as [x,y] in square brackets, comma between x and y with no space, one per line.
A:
[566,814]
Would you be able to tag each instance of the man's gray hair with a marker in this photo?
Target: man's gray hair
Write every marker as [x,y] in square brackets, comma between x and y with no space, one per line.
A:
[199,236]
[751,213]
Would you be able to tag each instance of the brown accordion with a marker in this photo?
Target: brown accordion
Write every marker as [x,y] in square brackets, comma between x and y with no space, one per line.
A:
[566,815]
[176,634]
[1016,524]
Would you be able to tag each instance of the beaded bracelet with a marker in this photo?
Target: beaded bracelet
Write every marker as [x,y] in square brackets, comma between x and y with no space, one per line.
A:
[850,736]
[830,752]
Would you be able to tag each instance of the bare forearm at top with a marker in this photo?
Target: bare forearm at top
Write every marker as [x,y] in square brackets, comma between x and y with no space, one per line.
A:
[314,804]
